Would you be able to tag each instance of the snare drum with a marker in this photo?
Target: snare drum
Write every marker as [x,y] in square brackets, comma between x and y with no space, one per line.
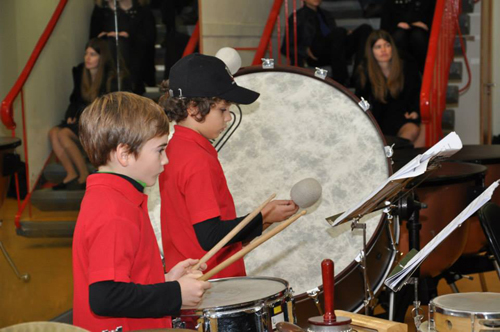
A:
[465,312]
[242,304]
[302,127]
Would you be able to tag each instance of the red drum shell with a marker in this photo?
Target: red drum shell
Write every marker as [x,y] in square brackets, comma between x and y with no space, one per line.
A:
[445,192]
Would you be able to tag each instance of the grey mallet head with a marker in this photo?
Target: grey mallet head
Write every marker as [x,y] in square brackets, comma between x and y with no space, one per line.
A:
[306,192]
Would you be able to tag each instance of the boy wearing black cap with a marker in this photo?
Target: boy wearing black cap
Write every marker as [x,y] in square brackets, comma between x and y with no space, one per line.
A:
[197,209]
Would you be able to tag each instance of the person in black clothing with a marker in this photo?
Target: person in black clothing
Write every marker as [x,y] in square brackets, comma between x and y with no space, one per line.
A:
[137,36]
[409,22]
[391,86]
[93,78]
[321,43]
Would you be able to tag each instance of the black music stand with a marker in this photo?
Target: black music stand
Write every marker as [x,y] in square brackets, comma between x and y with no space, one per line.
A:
[396,189]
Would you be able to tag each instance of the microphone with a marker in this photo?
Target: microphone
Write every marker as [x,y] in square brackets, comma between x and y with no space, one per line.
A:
[306,192]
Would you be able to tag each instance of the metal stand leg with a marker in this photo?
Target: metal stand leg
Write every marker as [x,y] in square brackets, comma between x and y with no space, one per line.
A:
[391,305]
[454,288]
[482,280]
[24,277]
[497,267]
[369,297]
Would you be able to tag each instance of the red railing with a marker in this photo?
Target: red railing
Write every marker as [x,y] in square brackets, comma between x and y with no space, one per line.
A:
[193,40]
[437,68]
[266,43]
[272,23]
[7,109]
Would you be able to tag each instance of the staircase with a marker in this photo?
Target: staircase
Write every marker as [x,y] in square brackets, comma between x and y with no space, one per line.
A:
[462,113]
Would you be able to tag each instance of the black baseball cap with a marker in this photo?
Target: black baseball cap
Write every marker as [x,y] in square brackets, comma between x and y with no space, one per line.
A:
[199,75]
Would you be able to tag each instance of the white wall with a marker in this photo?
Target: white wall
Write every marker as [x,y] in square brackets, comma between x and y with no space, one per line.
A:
[49,86]
[496,68]
[243,27]
[467,114]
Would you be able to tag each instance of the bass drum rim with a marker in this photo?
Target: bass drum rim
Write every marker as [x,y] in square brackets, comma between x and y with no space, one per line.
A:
[381,229]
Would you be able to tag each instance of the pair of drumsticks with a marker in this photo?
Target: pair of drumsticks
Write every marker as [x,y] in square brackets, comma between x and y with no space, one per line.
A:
[263,238]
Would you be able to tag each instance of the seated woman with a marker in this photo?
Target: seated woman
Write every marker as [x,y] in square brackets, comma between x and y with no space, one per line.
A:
[91,79]
[391,86]
[409,22]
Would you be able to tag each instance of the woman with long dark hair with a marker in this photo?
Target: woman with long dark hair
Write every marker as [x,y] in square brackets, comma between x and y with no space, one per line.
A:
[91,79]
[391,86]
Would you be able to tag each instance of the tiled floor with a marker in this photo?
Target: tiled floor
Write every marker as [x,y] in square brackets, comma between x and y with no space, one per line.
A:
[48,261]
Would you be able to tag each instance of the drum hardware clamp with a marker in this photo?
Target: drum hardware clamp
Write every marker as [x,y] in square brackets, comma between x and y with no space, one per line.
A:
[314,295]
[267,63]
[389,151]
[417,316]
[365,106]
[320,73]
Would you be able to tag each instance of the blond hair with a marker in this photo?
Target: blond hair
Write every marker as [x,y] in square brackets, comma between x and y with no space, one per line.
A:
[120,118]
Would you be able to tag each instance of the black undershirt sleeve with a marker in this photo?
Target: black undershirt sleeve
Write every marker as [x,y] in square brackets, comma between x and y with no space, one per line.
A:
[120,299]
[211,231]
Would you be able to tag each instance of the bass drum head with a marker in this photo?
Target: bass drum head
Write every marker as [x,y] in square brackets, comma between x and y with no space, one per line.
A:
[304,127]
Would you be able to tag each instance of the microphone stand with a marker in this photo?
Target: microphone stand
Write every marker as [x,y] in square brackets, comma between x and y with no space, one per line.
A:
[117,47]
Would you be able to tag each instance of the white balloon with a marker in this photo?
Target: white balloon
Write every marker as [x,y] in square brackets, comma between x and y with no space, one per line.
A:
[231,58]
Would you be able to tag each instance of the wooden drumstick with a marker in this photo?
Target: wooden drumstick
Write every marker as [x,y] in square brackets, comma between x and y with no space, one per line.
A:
[232,233]
[251,246]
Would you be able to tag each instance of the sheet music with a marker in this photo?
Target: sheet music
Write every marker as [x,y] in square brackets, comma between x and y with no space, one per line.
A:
[396,281]
[417,166]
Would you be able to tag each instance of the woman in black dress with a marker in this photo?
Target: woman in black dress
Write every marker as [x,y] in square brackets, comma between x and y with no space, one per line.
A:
[391,86]
[91,79]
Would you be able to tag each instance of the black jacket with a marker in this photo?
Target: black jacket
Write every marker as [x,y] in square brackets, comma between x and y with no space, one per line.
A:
[307,31]
[408,11]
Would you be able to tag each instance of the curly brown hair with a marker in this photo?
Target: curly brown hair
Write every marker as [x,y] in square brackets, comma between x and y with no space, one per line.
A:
[176,107]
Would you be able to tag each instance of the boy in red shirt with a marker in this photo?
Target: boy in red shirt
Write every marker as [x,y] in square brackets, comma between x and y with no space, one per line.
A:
[119,278]
[197,209]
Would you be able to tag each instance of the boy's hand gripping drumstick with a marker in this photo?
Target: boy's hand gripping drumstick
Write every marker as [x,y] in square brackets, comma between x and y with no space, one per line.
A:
[232,233]
[251,246]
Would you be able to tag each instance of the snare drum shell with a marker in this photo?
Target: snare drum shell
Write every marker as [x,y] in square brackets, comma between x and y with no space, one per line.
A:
[258,313]
[465,312]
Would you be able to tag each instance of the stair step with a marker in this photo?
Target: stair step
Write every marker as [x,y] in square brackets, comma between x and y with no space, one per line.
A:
[343,8]
[57,200]
[37,229]
[464,23]
[353,23]
[55,173]
[448,120]
[152,93]
[456,71]
[457,47]
[452,95]
[467,6]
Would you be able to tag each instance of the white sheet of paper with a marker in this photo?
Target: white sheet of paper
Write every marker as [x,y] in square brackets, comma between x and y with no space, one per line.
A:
[417,166]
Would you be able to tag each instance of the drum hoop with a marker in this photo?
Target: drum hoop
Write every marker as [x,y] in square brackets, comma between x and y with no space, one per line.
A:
[231,308]
[439,308]
[309,73]
[467,314]
[480,170]
[327,80]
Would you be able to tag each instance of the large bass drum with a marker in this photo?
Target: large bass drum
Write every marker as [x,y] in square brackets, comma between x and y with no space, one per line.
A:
[301,127]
